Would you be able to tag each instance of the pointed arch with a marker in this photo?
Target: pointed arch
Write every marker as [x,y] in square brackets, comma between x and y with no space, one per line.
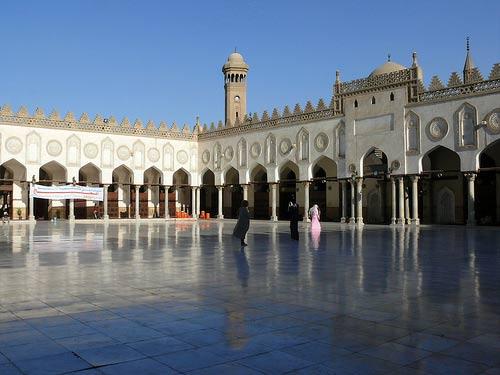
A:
[123,174]
[53,171]
[327,164]
[287,167]
[15,169]
[440,158]
[153,175]
[374,162]
[208,177]
[89,173]
[232,176]
[182,177]
[258,173]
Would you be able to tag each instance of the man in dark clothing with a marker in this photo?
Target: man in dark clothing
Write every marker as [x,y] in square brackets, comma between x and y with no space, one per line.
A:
[241,228]
[293,213]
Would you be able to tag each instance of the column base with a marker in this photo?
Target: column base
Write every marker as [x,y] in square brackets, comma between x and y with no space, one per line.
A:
[71,218]
[343,220]
[137,217]
[359,221]
[31,219]
[393,221]
[194,216]
[415,221]
[220,216]
[105,217]
[400,222]
[409,221]
[352,220]
[274,218]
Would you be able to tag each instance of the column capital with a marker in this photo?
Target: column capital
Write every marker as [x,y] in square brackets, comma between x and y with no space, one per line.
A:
[414,178]
[306,183]
[471,176]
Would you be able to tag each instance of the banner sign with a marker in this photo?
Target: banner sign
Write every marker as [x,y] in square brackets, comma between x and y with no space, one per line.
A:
[89,193]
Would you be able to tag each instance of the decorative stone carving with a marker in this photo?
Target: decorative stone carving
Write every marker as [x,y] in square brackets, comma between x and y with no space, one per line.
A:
[437,129]
[182,157]
[54,148]
[493,121]
[107,153]
[321,142]
[73,150]
[229,153]
[255,150]
[341,146]
[168,157]
[395,165]
[90,150]
[123,152]
[153,155]
[270,150]
[412,133]
[205,157]
[352,168]
[285,146]
[33,148]
[14,145]
[466,122]
[242,153]
[303,145]
[138,154]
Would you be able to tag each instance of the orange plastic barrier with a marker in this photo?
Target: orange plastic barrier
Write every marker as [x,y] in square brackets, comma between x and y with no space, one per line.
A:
[207,215]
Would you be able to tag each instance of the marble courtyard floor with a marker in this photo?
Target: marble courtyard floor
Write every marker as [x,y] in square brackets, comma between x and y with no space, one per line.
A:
[182,297]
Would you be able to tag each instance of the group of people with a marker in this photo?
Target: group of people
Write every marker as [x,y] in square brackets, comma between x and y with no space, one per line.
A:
[243,224]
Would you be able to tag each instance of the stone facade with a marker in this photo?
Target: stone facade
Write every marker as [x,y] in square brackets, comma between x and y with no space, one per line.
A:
[384,149]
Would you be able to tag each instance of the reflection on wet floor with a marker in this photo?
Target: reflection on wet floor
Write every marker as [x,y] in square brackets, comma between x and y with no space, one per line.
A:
[178,297]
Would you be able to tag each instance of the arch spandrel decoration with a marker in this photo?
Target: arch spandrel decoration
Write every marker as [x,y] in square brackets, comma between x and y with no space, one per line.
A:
[168,157]
[73,146]
[270,150]
[242,153]
[412,133]
[107,153]
[33,148]
[138,155]
[303,145]
[466,124]
[493,121]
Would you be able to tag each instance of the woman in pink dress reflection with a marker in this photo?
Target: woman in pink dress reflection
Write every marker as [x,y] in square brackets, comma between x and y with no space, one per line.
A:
[314,214]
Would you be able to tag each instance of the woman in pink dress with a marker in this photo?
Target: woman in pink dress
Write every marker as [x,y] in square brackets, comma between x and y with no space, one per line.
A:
[315,214]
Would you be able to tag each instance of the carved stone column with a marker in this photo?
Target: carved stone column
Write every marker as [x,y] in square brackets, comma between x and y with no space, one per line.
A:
[31,216]
[71,214]
[220,215]
[352,219]
[343,218]
[165,198]
[193,202]
[245,191]
[359,200]
[105,215]
[306,202]
[274,217]
[471,198]
[414,203]
[393,202]
[401,218]
[198,201]
[407,205]
[137,204]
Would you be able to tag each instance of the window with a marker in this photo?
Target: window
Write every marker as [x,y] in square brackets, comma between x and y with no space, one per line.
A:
[392,97]
[373,100]
[355,104]
[236,114]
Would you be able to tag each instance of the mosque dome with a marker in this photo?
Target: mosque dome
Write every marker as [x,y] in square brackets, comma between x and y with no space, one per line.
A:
[387,67]
[235,60]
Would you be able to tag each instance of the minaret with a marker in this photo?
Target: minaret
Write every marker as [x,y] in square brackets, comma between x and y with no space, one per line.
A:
[235,85]
[468,66]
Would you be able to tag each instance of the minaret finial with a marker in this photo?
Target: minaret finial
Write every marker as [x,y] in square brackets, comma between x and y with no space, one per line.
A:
[388,57]
[235,49]
[468,47]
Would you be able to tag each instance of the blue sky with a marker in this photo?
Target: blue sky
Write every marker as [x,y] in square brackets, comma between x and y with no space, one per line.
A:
[161,60]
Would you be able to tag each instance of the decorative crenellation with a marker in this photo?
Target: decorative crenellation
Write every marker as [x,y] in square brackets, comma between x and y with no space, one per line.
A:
[99,125]
[357,86]
[459,90]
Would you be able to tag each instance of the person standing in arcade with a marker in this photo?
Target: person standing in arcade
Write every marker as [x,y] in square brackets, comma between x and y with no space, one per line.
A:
[293,213]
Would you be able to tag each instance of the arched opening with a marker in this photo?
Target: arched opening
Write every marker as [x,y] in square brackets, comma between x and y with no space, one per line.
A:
[51,173]
[88,175]
[356,103]
[121,193]
[373,100]
[488,186]
[209,197]
[324,189]
[442,187]
[391,97]
[13,192]
[182,191]
[376,190]
[152,198]
[233,194]
[259,208]
[289,173]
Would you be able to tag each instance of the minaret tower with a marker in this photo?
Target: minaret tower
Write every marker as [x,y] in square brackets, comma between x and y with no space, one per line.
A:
[468,66]
[235,85]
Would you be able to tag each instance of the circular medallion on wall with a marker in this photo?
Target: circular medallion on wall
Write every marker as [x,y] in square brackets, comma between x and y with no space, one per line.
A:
[285,146]
[153,155]
[123,152]
[90,150]
[493,122]
[205,157]
[182,157]
[352,168]
[54,148]
[14,145]
[437,129]
[321,142]
[229,153]
[395,165]
[255,150]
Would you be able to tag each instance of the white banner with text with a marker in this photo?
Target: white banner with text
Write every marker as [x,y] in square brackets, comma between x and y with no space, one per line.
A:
[89,193]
